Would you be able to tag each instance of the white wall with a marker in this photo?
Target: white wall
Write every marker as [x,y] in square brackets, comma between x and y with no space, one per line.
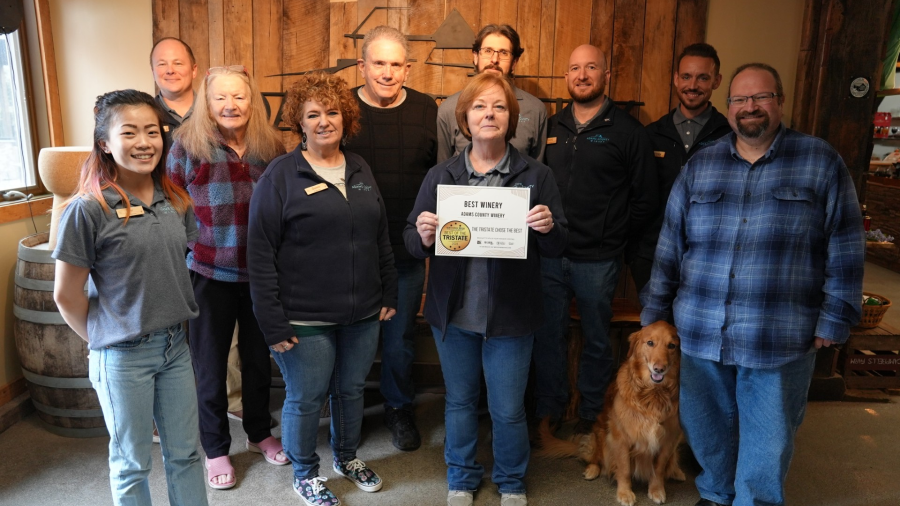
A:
[766,31]
[101,46]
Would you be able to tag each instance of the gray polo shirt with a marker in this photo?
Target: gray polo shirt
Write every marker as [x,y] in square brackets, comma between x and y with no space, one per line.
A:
[139,280]
[607,103]
[472,316]
[531,132]
[174,115]
[689,129]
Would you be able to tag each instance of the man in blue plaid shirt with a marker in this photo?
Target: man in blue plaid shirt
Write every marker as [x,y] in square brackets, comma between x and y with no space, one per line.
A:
[759,263]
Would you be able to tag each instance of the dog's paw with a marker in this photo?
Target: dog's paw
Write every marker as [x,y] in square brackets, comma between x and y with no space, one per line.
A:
[626,497]
[676,474]
[657,494]
[591,471]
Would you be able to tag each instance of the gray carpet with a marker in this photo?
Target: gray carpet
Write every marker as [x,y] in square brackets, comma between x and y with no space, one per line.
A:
[847,454]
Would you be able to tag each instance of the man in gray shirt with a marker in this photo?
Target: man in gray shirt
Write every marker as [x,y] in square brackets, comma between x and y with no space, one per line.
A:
[496,49]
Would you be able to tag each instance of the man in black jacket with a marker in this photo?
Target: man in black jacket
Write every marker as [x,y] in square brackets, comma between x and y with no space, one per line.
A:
[603,163]
[398,140]
[690,127]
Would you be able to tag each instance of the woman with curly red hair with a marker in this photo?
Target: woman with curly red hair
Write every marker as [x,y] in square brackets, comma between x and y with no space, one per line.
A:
[322,277]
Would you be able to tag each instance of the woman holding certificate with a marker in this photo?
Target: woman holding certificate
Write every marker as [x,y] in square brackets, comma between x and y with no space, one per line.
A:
[484,311]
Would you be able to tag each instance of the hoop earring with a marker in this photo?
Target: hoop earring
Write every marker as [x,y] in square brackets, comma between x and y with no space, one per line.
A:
[302,141]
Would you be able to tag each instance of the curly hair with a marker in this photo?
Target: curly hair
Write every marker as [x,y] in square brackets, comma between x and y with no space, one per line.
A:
[328,90]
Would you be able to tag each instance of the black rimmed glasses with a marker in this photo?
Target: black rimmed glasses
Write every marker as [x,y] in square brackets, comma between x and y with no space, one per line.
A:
[224,70]
[488,52]
[758,99]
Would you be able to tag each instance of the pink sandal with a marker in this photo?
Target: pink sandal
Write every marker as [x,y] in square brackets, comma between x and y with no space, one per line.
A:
[220,466]
[269,448]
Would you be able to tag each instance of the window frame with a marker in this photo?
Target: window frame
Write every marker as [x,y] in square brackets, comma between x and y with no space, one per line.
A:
[25,101]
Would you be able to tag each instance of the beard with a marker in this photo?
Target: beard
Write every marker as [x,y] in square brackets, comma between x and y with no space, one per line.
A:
[699,105]
[492,66]
[754,131]
[586,96]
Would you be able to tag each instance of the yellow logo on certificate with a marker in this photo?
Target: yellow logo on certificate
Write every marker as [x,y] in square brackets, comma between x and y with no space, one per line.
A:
[455,235]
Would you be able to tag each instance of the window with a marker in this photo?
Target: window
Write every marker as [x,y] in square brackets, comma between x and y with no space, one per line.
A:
[17,163]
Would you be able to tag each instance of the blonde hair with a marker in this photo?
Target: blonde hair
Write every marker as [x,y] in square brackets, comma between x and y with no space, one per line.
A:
[198,132]
[478,85]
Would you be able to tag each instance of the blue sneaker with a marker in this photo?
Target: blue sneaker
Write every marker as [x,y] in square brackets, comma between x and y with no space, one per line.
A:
[359,473]
[314,492]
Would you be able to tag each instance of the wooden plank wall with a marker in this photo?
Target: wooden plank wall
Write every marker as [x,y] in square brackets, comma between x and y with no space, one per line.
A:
[640,37]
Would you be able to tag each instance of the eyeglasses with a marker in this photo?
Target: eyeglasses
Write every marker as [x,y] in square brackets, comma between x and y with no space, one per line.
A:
[224,70]
[502,54]
[758,99]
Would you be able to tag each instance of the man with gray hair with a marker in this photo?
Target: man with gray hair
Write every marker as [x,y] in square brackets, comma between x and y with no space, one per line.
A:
[759,263]
[398,140]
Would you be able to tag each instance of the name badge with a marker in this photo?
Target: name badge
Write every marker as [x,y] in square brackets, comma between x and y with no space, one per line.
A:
[135,211]
[551,140]
[316,188]
[659,154]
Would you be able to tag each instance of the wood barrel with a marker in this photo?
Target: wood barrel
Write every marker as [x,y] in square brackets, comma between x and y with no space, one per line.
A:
[54,358]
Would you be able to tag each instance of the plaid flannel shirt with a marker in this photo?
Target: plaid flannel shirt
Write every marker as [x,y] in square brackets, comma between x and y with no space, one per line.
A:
[221,189]
[756,260]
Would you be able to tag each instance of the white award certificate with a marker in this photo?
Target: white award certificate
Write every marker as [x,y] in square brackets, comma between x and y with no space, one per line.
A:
[482,221]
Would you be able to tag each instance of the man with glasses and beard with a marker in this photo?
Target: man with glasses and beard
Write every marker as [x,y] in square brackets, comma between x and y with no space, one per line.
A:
[762,244]
[691,126]
[496,49]
[603,163]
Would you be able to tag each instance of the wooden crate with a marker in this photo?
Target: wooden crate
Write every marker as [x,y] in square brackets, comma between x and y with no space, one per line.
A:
[871,358]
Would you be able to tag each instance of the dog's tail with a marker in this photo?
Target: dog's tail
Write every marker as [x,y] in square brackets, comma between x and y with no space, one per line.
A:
[553,447]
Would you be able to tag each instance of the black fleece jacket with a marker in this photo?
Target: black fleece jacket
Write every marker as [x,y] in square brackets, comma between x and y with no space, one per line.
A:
[668,150]
[607,181]
[314,255]
[516,304]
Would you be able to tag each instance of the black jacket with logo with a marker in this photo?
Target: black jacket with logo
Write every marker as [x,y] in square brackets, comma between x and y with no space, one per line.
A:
[515,301]
[670,156]
[314,255]
[607,181]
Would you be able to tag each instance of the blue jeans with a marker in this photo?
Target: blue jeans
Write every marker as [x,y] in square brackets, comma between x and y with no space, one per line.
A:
[139,381]
[398,348]
[593,284]
[505,362]
[740,423]
[333,364]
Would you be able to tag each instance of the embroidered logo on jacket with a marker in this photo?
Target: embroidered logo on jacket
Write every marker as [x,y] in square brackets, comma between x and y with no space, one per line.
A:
[361,187]
[598,139]
[520,185]
[523,119]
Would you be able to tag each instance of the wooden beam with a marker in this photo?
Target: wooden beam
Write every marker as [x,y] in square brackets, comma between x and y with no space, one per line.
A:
[12,390]
[48,68]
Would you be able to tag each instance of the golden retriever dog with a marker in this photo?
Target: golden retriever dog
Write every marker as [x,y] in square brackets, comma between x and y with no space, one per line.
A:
[638,432]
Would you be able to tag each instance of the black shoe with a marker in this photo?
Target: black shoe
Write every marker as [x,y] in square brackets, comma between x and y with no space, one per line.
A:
[707,502]
[404,434]
[584,426]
